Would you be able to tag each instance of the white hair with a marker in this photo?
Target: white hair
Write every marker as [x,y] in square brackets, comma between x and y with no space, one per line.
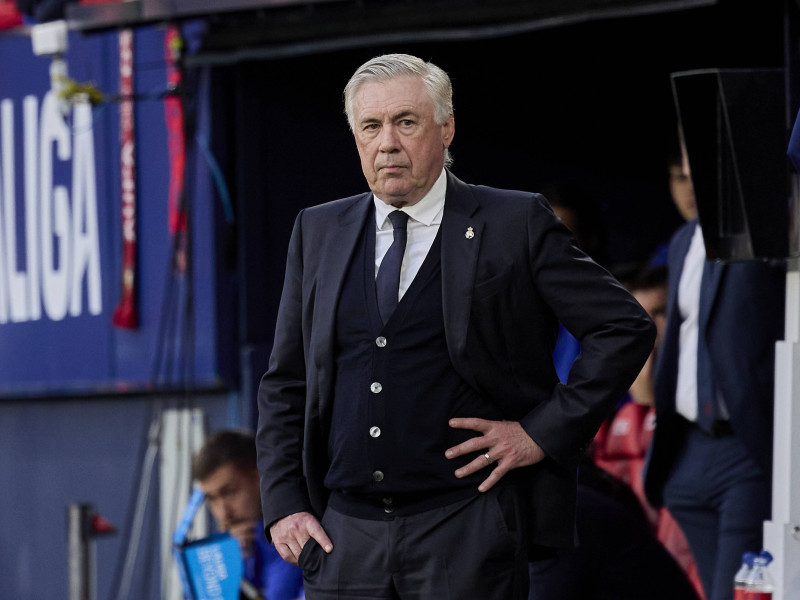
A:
[391,66]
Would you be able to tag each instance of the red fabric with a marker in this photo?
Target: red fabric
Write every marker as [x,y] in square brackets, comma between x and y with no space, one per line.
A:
[621,443]
[619,448]
[670,534]
[10,16]
[126,313]
[173,108]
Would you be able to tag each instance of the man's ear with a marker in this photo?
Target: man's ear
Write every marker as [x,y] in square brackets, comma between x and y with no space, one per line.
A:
[448,131]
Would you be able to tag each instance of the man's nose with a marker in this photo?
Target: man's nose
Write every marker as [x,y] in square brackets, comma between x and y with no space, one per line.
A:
[227,511]
[388,139]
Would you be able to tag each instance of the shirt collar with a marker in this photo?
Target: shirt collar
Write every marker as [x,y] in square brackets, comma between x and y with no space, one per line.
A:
[425,211]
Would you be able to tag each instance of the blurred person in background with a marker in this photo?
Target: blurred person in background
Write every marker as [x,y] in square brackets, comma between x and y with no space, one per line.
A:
[621,445]
[710,461]
[619,555]
[225,469]
[680,186]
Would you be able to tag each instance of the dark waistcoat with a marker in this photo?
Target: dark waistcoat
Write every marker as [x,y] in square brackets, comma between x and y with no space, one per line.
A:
[395,390]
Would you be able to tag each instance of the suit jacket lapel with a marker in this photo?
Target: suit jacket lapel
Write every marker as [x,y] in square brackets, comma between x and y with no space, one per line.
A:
[338,248]
[709,286]
[677,257]
[461,240]
[459,262]
[667,362]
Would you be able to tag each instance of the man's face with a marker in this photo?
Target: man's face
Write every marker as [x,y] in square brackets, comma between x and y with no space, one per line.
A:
[680,186]
[400,145]
[233,495]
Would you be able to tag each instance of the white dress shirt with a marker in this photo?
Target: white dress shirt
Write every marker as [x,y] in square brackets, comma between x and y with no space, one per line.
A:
[689,307]
[424,220]
[686,401]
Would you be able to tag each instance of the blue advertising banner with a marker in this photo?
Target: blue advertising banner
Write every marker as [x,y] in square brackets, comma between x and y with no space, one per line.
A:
[214,565]
[65,256]
[210,568]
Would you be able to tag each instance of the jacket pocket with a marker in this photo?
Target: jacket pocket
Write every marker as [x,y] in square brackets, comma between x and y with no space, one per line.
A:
[492,286]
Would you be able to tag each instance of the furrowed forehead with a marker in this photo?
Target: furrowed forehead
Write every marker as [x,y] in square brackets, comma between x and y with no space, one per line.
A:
[391,100]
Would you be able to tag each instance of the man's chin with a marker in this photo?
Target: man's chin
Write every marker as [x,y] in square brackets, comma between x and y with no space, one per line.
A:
[399,196]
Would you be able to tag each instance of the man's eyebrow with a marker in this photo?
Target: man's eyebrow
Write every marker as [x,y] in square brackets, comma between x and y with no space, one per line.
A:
[403,114]
[396,117]
[225,489]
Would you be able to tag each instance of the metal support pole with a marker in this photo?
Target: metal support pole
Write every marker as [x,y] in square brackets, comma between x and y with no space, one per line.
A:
[81,552]
[83,526]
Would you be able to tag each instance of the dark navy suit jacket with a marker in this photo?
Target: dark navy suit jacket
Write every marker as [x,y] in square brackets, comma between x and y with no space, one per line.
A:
[741,317]
[510,272]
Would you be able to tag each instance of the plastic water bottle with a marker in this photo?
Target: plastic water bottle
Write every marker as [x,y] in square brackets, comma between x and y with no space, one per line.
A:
[742,576]
[759,584]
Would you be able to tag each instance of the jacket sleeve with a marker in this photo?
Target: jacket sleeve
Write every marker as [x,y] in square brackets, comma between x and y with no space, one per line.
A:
[282,400]
[616,336]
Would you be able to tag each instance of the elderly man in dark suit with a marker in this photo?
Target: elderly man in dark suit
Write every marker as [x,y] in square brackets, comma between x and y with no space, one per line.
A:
[413,439]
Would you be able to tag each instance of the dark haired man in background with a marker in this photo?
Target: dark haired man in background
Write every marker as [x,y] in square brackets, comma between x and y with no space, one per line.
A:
[225,469]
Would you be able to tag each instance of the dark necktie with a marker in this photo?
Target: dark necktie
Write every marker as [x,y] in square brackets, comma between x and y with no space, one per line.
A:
[387,282]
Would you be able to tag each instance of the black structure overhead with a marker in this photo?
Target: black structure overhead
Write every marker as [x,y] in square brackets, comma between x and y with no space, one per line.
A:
[252,29]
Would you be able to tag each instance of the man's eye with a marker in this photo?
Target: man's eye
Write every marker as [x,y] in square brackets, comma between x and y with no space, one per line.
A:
[406,122]
[371,127]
